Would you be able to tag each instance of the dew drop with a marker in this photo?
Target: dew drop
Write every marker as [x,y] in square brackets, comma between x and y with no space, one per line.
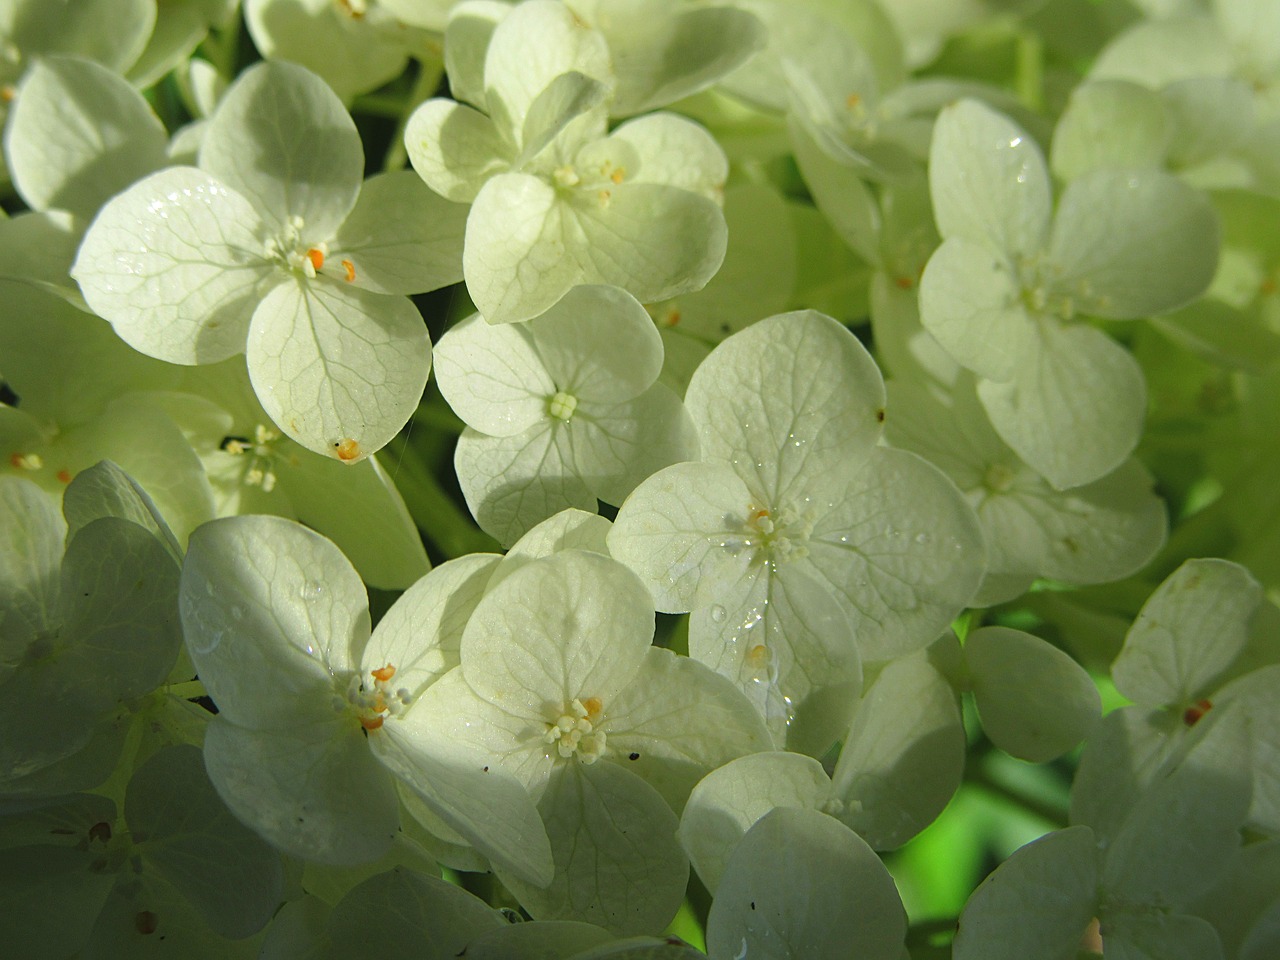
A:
[311,590]
[923,538]
[718,613]
[237,613]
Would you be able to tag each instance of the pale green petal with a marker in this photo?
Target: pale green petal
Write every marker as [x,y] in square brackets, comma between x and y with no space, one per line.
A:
[177,264]
[905,349]
[186,834]
[456,149]
[904,755]
[450,710]
[1157,52]
[78,134]
[675,151]
[104,490]
[526,246]
[1187,634]
[1074,410]
[1253,29]
[352,54]
[401,237]
[85,768]
[489,807]
[339,369]
[1112,124]
[313,790]
[544,940]
[1255,699]
[727,801]
[421,632]
[1036,905]
[282,138]
[642,948]
[677,721]
[1132,244]
[358,507]
[972,303]
[567,530]
[275,619]
[181,26]
[784,641]
[1201,801]
[662,55]
[567,98]
[493,376]
[112,32]
[899,547]
[39,248]
[680,531]
[466,41]
[52,898]
[988,180]
[1035,702]
[1213,116]
[1139,936]
[840,193]
[618,863]
[511,484]
[531,46]
[120,626]
[617,446]
[779,400]
[402,913]
[597,343]
[571,626]
[32,533]
[802,885]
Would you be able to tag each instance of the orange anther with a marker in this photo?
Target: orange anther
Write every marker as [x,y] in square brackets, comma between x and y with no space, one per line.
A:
[1193,714]
[371,723]
[853,100]
[593,706]
[384,673]
[760,514]
[316,256]
[758,655]
[347,449]
[64,475]
[350,268]
[618,175]
[903,283]
[7,93]
[15,461]
[1268,285]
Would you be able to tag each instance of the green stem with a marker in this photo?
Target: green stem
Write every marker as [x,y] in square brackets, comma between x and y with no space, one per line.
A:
[429,75]
[187,690]
[1029,71]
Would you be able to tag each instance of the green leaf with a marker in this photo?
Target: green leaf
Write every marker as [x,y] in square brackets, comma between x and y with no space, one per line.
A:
[803,885]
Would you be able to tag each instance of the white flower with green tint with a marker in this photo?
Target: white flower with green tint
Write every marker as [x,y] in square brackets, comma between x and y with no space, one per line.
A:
[275,248]
[89,624]
[561,411]
[556,199]
[355,45]
[800,544]
[313,729]
[1102,531]
[559,683]
[1003,291]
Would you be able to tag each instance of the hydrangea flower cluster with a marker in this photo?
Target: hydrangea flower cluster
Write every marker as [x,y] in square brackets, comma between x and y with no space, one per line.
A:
[640,479]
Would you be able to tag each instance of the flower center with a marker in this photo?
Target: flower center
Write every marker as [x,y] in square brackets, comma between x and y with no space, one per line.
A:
[374,698]
[296,255]
[562,406]
[998,478]
[779,535]
[577,730]
[260,456]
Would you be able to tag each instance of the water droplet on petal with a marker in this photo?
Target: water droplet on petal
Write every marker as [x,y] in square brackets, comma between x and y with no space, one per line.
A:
[311,590]
[718,613]
[923,538]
